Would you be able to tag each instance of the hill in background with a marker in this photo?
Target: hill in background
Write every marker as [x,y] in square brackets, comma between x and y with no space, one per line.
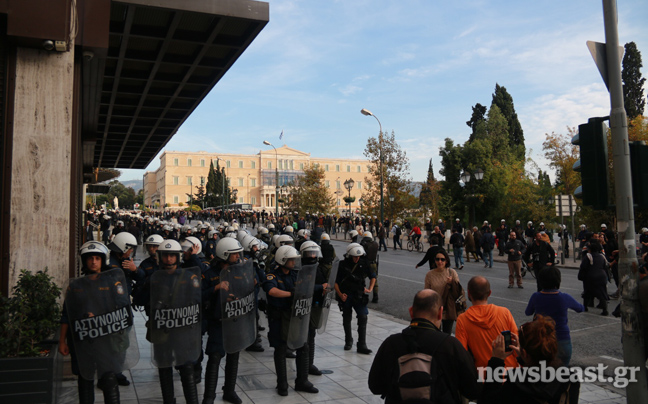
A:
[135,184]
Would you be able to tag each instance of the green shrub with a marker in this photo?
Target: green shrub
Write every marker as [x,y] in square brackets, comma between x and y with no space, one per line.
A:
[30,316]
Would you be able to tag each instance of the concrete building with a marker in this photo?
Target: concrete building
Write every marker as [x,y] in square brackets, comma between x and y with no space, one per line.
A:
[252,175]
[92,84]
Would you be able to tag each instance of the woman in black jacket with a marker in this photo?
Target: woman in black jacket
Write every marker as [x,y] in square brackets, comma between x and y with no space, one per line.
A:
[593,274]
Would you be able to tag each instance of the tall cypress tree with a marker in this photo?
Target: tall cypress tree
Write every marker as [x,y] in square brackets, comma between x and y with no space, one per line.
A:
[504,101]
[213,188]
[633,83]
[425,198]
[478,115]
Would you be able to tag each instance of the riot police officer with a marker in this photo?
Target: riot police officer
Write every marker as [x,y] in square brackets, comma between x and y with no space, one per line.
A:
[94,295]
[121,249]
[228,252]
[353,294]
[280,288]
[371,249]
[176,340]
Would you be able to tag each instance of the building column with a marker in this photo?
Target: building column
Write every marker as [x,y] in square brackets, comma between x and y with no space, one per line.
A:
[42,163]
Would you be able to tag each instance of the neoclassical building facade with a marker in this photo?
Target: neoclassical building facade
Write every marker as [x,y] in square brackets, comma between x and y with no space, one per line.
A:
[252,175]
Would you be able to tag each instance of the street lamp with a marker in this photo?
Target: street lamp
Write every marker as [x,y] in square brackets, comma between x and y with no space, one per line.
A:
[466,177]
[265,142]
[348,184]
[366,112]
[391,206]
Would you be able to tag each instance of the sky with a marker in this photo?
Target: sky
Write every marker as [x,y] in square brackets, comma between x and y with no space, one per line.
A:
[418,65]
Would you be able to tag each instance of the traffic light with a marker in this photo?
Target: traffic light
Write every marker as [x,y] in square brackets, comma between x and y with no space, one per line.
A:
[593,163]
[639,169]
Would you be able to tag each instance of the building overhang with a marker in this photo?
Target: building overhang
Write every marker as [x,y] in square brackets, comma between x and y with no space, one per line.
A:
[159,59]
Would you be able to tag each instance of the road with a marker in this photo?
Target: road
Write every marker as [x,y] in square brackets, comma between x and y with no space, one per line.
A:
[595,338]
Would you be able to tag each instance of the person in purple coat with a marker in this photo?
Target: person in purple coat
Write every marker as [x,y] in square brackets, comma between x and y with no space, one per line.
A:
[550,301]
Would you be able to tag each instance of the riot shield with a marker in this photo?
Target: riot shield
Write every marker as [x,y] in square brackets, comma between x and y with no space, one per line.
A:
[301,306]
[238,307]
[329,297]
[101,323]
[176,313]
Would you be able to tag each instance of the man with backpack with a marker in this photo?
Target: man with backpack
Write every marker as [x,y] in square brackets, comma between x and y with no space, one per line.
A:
[449,369]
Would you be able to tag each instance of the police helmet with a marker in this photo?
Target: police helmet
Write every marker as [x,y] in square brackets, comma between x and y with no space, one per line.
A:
[154,239]
[210,235]
[303,233]
[284,239]
[541,223]
[94,248]
[169,247]
[645,229]
[251,243]
[529,223]
[168,227]
[191,241]
[353,233]
[367,234]
[355,250]
[231,235]
[120,223]
[284,253]
[603,226]
[310,249]
[271,226]
[227,246]
[273,240]
[123,242]
[262,230]
[288,229]
[325,236]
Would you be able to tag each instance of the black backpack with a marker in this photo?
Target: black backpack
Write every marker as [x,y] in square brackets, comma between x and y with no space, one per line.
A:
[398,232]
[418,379]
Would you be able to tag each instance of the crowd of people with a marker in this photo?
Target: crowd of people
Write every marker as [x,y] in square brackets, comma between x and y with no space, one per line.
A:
[289,268]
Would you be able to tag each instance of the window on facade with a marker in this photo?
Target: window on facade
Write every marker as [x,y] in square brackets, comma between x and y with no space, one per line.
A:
[202,181]
[176,180]
[202,162]
[175,162]
[228,163]
[189,162]
[253,164]
[240,182]
[241,199]
[327,184]
[281,164]
[337,184]
[326,167]
[240,164]
[359,184]
[301,166]
[254,200]
[253,183]
[348,169]
[292,167]
[337,167]
[359,169]
[338,202]
[189,181]
[175,199]
[269,165]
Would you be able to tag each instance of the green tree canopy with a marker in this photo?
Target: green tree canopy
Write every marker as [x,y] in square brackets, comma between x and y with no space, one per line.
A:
[504,101]
[308,193]
[633,83]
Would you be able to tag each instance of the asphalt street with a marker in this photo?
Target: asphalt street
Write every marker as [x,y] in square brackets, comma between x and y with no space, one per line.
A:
[595,338]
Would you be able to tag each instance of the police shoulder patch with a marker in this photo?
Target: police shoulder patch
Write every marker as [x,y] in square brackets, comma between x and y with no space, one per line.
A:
[270,277]
[119,288]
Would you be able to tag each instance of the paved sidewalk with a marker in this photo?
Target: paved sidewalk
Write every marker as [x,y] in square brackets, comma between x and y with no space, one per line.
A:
[257,380]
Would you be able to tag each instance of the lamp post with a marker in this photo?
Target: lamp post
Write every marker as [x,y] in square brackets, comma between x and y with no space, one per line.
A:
[366,112]
[348,184]
[265,142]
[248,190]
[391,206]
[465,177]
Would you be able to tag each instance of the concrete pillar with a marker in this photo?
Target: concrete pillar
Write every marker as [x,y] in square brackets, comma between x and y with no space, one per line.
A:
[41,164]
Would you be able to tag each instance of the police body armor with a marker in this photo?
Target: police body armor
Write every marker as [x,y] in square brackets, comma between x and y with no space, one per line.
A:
[329,297]
[238,314]
[101,324]
[301,306]
[176,315]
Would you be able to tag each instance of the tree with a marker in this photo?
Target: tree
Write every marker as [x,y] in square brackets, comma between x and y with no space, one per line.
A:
[633,83]
[199,196]
[478,117]
[504,101]
[308,193]
[430,197]
[395,173]
[562,155]
[213,189]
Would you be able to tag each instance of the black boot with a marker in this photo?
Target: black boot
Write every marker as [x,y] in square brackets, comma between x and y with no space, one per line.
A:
[211,378]
[301,382]
[189,384]
[604,305]
[231,371]
[375,297]
[197,367]
[312,369]
[348,336]
[280,368]
[86,391]
[362,336]
[166,384]
[108,383]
